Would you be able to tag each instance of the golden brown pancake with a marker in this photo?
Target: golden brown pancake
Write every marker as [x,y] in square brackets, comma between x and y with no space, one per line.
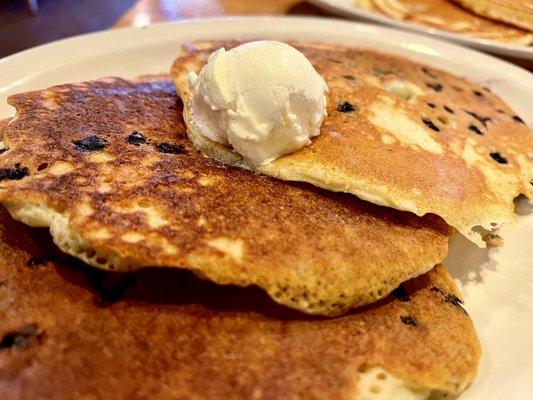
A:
[108,167]
[398,134]
[515,12]
[3,124]
[446,15]
[70,332]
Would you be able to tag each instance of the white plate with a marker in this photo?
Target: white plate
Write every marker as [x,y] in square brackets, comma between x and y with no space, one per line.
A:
[348,9]
[497,283]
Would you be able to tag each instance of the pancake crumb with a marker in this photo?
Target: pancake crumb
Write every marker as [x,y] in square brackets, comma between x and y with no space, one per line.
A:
[493,240]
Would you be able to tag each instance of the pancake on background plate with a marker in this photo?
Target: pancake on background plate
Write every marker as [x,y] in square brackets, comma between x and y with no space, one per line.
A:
[69,331]
[514,12]
[108,167]
[446,15]
[398,134]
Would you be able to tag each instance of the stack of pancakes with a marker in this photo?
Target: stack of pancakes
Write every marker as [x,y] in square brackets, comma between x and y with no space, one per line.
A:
[201,279]
[508,21]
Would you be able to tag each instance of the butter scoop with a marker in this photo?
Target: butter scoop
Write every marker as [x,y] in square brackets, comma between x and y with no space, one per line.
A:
[263,98]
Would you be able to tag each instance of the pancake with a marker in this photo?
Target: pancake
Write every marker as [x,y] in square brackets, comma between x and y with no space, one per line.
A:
[515,12]
[446,15]
[108,167]
[70,332]
[415,138]
[3,125]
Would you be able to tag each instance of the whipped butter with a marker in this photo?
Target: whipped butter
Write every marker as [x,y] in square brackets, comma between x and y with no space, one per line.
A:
[263,98]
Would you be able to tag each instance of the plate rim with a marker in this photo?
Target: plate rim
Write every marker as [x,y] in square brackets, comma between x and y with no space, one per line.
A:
[121,33]
[510,50]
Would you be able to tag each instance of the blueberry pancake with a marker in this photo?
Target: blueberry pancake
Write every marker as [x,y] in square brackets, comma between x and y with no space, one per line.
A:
[69,331]
[398,134]
[108,167]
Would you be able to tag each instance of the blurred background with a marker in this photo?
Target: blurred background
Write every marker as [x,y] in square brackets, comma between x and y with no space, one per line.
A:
[27,23]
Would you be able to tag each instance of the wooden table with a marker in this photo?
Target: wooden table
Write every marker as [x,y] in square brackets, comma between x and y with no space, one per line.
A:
[146,12]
